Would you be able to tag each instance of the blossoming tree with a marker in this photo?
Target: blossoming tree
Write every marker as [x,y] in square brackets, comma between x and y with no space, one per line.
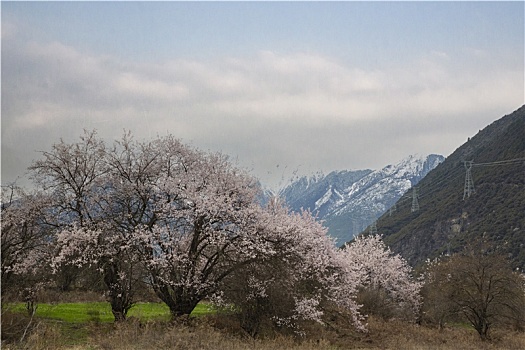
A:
[297,280]
[82,184]
[159,211]
[384,273]
[25,242]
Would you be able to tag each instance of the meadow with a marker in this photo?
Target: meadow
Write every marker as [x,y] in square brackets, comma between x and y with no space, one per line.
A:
[83,312]
[89,325]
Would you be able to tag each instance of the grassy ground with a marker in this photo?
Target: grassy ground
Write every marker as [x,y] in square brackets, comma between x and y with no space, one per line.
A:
[66,325]
[82,312]
[89,326]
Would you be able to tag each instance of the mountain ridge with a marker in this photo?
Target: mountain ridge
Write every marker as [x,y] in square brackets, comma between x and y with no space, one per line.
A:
[348,201]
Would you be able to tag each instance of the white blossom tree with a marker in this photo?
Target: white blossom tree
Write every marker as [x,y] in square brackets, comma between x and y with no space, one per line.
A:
[79,181]
[186,217]
[25,245]
[24,241]
[206,215]
[386,277]
[298,279]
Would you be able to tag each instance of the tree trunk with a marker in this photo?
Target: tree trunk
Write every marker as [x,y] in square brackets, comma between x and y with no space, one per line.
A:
[482,327]
[120,297]
[180,300]
[182,308]
[118,314]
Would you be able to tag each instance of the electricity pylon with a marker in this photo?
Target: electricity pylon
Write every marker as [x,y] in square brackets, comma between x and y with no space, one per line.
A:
[469,183]
[373,228]
[392,209]
[415,203]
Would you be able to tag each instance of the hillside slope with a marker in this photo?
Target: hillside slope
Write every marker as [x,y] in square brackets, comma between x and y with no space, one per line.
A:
[445,221]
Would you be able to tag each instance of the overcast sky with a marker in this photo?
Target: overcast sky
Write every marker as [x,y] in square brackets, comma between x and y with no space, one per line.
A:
[281,87]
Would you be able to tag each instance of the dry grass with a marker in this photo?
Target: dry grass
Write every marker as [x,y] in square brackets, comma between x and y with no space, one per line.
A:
[401,335]
[223,333]
[189,337]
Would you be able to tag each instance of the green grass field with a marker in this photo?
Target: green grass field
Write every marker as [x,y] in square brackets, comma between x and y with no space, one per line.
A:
[88,325]
[101,311]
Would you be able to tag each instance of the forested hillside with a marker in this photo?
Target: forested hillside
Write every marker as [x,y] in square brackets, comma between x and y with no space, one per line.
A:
[444,216]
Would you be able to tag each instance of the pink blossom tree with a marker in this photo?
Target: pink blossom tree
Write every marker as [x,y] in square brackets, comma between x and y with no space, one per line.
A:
[78,180]
[301,277]
[25,244]
[206,227]
[384,274]
[184,217]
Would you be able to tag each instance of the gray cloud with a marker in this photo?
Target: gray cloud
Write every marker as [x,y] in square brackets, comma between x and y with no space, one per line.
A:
[270,111]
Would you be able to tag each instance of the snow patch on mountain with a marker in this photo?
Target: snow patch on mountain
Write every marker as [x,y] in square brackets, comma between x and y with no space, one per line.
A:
[349,201]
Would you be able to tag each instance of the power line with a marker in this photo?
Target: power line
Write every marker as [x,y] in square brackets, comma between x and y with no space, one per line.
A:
[392,209]
[452,175]
[501,162]
[429,187]
[426,189]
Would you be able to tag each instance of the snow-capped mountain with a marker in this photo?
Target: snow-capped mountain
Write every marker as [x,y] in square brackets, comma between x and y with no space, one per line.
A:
[318,193]
[349,201]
